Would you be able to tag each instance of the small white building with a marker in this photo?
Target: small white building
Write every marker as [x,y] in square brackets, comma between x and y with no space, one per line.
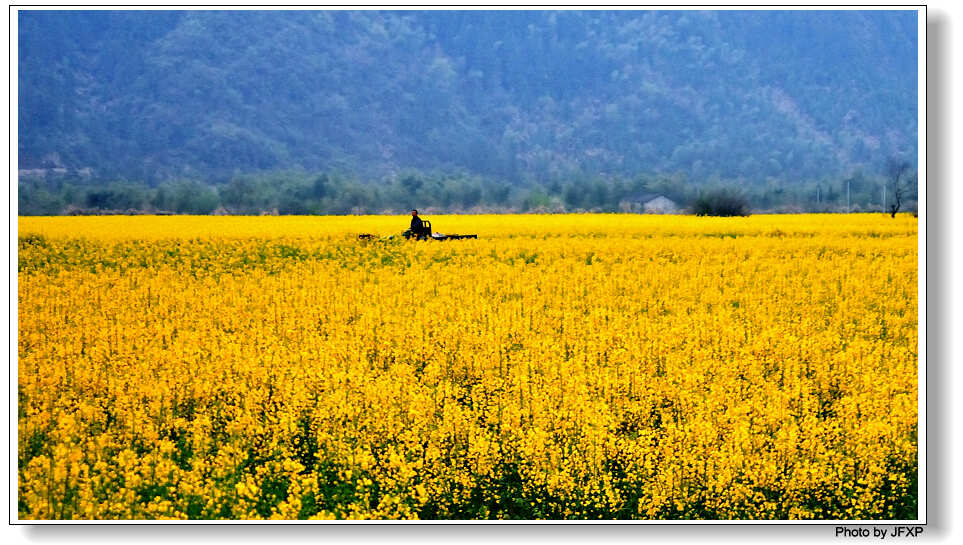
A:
[649,203]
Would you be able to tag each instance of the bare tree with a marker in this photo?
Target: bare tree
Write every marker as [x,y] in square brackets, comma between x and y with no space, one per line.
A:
[898,180]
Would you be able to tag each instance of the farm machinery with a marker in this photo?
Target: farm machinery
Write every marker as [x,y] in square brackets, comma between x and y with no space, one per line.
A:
[425,233]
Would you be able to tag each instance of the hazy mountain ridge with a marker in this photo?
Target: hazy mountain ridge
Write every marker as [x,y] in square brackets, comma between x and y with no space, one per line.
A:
[519,96]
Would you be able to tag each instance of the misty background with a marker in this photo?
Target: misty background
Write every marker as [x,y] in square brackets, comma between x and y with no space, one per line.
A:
[335,112]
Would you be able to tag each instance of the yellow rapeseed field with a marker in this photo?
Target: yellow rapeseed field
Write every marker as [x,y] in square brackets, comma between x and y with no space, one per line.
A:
[559,367]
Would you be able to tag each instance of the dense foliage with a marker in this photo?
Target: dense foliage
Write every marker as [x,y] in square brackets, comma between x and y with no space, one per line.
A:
[527,98]
[303,193]
[720,202]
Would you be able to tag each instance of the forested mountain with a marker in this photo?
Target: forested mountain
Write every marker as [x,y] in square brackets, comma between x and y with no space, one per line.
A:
[525,98]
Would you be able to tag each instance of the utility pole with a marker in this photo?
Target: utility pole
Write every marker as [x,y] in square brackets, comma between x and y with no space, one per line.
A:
[848,209]
[884,197]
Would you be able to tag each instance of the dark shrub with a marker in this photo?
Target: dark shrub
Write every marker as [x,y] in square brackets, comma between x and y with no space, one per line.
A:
[721,202]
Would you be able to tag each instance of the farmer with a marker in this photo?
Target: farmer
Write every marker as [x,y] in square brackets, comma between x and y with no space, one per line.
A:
[417,226]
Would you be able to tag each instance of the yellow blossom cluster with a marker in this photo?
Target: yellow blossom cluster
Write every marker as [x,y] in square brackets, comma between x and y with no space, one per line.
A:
[558,367]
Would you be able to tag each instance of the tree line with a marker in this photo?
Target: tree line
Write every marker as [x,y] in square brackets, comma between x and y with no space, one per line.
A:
[334,193]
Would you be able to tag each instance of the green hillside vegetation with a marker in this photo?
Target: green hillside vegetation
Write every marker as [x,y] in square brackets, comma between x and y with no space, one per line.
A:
[341,112]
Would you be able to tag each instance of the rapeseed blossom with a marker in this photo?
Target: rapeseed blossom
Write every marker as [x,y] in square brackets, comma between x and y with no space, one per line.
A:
[580,367]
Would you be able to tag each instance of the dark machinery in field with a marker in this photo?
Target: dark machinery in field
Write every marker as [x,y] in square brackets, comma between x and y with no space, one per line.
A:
[425,233]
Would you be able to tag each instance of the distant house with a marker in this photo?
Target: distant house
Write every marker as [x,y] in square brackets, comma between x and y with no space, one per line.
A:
[649,203]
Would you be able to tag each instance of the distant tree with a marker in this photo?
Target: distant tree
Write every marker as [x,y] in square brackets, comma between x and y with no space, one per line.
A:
[293,204]
[721,202]
[598,194]
[319,188]
[898,180]
[245,194]
[573,196]
[498,193]
[470,195]
[187,197]
[353,196]
[537,200]
[116,196]
[33,201]
[411,183]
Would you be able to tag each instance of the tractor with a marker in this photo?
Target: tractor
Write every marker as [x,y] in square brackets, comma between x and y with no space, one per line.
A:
[427,234]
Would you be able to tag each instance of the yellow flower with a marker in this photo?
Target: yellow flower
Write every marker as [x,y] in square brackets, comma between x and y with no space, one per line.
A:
[585,365]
